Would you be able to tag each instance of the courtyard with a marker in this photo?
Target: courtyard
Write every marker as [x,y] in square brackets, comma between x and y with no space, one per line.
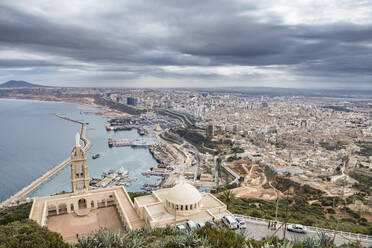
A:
[68,225]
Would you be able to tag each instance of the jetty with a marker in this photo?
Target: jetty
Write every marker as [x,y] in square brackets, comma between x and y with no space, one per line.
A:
[131,142]
[21,195]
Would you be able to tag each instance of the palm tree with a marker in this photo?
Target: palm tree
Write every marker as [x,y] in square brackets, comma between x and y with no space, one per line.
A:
[228,197]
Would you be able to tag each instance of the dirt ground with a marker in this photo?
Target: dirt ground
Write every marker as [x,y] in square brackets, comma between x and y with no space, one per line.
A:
[254,192]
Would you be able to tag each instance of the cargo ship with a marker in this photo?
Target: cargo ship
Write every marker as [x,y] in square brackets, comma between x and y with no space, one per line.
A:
[121,128]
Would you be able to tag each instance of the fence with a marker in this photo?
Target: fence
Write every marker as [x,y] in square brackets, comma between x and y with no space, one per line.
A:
[357,236]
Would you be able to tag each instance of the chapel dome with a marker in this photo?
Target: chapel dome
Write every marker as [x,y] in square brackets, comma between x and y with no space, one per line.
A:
[183,194]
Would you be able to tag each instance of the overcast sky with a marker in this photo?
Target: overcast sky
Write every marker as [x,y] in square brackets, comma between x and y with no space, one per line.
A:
[201,43]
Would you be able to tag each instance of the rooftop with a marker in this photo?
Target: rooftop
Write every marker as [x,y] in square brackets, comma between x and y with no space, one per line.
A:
[184,193]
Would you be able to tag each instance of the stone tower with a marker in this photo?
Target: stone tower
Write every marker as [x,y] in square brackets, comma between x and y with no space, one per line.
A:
[79,168]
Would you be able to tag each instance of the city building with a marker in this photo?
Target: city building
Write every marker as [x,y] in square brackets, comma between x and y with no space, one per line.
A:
[210,130]
[132,101]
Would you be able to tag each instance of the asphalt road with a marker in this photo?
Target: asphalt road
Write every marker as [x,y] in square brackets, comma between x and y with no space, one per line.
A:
[260,230]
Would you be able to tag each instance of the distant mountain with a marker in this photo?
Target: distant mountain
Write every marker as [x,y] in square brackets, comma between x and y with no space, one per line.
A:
[20,84]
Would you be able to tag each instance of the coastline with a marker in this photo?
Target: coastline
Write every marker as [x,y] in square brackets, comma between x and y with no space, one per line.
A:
[106,113]
[88,101]
[21,195]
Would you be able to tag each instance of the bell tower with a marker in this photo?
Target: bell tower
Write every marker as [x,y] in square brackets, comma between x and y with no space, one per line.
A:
[79,168]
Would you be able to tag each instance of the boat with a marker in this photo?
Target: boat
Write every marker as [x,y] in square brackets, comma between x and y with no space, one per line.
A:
[122,128]
[141,131]
[108,128]
[95,156]
[110,142]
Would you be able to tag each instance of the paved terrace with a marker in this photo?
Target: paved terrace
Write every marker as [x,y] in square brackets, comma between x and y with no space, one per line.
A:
[69,225]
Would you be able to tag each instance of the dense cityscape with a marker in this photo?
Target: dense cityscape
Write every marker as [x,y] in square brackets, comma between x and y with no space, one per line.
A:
[262,150]
[186,124]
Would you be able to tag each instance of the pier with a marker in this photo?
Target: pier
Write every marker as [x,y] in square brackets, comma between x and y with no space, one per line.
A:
[131,142]
[32,186]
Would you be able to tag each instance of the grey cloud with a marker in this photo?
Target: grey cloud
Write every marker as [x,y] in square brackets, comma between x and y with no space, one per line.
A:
[19,63]
[147,35]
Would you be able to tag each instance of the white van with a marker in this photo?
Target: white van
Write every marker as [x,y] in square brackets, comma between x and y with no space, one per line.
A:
[190,225]
[230,222]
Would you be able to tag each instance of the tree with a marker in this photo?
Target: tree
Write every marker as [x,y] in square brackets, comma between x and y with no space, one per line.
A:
[228,198]
[27,233]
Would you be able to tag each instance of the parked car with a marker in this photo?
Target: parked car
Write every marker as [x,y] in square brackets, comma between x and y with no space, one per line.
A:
[181,227]
[190,225]
[230,222]
[296,228]
[200,224]
[241,223]
[211,223]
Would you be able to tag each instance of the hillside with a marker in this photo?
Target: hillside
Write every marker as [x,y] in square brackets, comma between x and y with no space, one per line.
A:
[20,84]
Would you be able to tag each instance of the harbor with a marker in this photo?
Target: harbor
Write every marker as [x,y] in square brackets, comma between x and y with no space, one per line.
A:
[134,159]
[119,177]
[130,142]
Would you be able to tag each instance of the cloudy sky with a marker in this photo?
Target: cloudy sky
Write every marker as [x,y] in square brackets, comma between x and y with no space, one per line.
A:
[171,43]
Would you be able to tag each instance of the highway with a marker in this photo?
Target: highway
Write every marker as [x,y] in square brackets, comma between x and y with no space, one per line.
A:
[180,116]
[20,195]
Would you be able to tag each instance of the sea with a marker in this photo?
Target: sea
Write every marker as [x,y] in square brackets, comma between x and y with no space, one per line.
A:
[33,140]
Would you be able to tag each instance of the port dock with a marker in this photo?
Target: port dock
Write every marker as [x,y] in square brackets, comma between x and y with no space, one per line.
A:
[130,142]
[20,195]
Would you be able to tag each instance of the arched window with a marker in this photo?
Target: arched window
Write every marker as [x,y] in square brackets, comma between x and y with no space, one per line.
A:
[176,207]
[191,207]
[186,207]
[181,207]
[92,204]
[62,208]
[72,207]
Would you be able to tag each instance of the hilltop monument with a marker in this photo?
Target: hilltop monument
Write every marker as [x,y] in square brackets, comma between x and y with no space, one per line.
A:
[79,168]
[85,210]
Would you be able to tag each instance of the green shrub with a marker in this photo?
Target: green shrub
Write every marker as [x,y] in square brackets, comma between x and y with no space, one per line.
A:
[15,213]
[331,211]
[27,233]
[133,195]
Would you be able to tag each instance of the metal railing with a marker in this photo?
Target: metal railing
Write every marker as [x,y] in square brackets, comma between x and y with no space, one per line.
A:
[357,236]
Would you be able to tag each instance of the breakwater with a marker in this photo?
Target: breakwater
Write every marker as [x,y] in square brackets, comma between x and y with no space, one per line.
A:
[21,195]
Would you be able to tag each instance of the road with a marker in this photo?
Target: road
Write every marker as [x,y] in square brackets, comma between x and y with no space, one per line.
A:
[259,230]
[216,171]
[197,169]
[180,116]
[236,176]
